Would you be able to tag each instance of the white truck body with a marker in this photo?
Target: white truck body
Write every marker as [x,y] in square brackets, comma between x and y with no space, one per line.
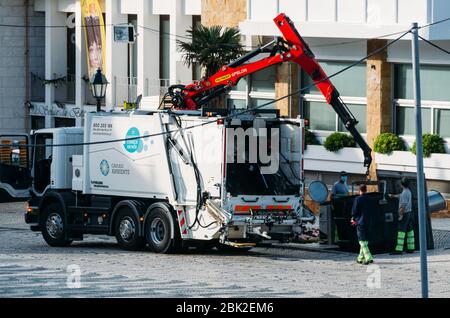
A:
[152,167]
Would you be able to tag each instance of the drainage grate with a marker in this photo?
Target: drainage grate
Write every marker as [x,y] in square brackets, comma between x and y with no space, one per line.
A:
[441,238]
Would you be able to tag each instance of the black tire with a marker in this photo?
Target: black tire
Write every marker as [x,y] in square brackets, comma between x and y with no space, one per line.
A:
[126,230]
[54,228]
[158,231]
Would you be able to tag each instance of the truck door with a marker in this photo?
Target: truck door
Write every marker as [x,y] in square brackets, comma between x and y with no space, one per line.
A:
[15,177]
[42,160]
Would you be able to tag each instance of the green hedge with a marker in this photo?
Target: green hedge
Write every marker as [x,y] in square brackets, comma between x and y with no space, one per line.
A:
[432,143]
[337,141]
[387,143]
[310,138]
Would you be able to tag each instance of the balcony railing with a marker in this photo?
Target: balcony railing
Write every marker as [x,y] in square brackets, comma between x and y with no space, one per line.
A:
[157,86]
[349,18]
[65,90]
[125,89]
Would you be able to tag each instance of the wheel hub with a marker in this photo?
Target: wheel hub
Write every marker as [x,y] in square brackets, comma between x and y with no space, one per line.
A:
[127,228]
[157,230]
[54,225]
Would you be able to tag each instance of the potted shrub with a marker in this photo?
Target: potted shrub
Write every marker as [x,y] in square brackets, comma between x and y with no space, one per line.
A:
[436,162]
[310,138]
[338,153]
[386,143]
[432,143]
[336,141]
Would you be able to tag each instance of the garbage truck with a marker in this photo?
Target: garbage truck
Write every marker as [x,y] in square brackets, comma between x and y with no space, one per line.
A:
[181,172]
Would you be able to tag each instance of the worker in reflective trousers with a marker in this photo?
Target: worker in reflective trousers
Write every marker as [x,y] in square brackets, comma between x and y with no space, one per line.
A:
[405,219]
[361,215]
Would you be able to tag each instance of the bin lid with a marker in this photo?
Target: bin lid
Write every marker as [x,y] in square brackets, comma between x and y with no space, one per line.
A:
[318,191]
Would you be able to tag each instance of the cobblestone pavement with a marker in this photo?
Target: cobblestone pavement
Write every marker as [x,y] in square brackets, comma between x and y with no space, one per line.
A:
[28,267]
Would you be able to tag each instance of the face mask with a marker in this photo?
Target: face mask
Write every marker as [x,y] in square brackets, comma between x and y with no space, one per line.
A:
[344,178]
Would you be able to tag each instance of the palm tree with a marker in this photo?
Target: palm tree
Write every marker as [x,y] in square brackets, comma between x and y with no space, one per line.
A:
[211,47]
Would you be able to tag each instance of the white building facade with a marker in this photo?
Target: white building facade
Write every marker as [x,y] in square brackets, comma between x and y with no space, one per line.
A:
[145,67]
[339,32]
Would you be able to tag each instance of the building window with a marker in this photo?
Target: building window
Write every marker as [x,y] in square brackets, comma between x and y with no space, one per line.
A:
[264,80]
[320,115]
[255,90]
[132,49]
[352,82]
[64,122]
[406,124]
[71,52]
[37,122]
[435,99]
[434,81]
[359,111]
[196,67]
[442,118]
[164,47]
[351,85]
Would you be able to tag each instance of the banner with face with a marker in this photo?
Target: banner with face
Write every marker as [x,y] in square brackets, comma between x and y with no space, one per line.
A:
[94,27]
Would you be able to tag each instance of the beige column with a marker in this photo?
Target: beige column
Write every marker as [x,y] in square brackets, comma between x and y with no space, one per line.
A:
[379,99]
[287,82]
[227,13]
[282,88]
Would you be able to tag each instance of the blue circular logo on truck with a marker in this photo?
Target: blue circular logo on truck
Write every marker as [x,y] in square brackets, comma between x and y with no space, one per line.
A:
[104,167]
[133,145]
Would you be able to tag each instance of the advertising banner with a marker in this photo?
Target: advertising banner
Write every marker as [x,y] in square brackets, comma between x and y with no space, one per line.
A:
[94,27]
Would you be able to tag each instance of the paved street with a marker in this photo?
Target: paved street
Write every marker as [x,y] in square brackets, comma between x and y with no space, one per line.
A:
[28,267]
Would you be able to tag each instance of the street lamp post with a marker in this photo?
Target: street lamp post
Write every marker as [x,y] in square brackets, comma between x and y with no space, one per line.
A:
[98,87]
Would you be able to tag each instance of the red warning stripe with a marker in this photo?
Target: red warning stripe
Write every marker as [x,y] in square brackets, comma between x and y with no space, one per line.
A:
[279,207]
[182,222]
[245,208]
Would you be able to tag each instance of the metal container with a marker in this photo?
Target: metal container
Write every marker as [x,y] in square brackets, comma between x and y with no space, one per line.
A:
[318,191]
[436,201]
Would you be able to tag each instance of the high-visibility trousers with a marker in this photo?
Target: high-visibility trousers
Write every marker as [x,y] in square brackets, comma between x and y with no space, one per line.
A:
[406,230]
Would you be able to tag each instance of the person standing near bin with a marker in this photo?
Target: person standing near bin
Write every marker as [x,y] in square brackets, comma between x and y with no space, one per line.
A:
[361,215]
[405,219]
[340,188]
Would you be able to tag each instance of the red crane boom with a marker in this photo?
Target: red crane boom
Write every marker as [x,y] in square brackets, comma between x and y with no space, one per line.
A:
[290,48]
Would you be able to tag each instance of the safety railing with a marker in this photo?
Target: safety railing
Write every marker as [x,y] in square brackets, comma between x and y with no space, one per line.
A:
[125,90]
[156,86]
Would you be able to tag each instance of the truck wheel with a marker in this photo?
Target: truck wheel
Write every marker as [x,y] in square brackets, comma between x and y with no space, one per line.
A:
[127,230]
[53,227]
[158,232]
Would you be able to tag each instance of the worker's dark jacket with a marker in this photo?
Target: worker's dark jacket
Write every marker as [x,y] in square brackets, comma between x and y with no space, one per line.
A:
[363,209]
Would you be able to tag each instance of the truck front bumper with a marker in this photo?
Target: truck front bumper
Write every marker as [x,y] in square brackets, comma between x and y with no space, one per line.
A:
[32,217]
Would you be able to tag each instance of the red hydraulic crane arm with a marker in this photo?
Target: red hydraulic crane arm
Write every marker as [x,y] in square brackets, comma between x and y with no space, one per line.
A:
[290,48]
